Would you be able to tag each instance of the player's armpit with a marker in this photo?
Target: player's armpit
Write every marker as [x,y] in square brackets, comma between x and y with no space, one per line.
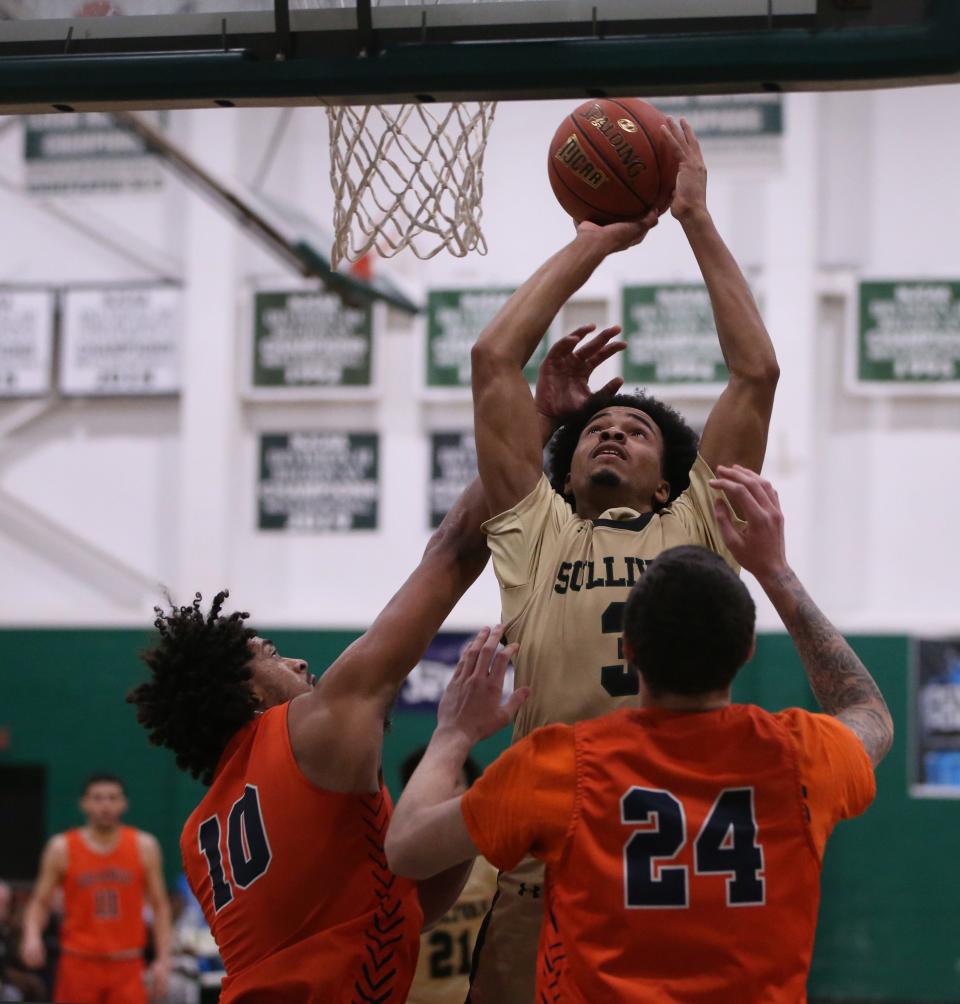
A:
[438,894]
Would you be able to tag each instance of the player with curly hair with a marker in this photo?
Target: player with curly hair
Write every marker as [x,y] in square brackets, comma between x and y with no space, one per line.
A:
[285,851]
[626,479]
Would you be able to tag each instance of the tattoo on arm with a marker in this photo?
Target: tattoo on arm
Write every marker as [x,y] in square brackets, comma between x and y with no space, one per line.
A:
[841,683]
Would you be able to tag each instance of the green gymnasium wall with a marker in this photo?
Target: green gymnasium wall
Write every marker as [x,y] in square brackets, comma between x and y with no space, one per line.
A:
[888,929]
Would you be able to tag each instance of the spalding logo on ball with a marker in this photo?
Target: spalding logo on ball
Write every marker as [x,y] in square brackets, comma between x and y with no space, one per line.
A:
[609,162]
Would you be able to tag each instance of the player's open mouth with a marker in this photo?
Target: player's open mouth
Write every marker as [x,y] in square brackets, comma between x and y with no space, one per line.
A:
[608,451]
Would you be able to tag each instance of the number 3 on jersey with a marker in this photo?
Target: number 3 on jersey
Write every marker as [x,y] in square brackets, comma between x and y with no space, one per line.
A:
[619,680]
[247,847]
[726,845]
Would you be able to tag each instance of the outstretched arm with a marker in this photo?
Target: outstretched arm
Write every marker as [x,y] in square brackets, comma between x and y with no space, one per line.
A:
[736,429]
[509,447]
[841,683]
[337,730]
[427,833]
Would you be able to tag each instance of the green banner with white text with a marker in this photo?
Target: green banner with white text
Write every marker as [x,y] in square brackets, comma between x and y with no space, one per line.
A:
[671,336]
[909,334]
[455,318]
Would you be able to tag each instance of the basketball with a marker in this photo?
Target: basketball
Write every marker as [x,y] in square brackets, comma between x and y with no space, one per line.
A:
[609,162]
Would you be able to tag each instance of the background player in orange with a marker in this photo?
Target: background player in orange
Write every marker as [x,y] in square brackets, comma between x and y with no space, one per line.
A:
[107,872]
[625,482]
[683,839]
[446,950]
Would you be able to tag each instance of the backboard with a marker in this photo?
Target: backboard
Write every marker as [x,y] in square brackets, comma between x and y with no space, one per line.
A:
[109,54]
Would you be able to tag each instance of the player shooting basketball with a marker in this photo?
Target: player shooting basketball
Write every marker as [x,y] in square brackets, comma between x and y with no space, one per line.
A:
[625,482]
[683,839]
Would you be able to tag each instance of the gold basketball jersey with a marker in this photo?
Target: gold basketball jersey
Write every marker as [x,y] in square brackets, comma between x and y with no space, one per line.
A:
[443,969]
[564,582]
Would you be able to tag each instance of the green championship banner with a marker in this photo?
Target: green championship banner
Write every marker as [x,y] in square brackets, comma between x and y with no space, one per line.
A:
[671,336]
[455,318]
[453,465]
[26,342]
[120,341]
[936,718]
[908,337]
[310,339]
[318,481]
[737,116]
[85,152]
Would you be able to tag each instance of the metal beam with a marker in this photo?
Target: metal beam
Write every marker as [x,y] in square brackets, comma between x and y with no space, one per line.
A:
[781,59]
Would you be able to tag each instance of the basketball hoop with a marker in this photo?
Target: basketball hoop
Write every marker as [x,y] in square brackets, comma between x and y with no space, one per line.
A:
[408,176]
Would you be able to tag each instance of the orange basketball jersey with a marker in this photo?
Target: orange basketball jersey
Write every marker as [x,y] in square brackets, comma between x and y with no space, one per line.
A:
[103,897]
[685,865]
[294,883]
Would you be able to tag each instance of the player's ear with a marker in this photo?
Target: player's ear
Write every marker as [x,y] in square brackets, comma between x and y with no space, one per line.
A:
[662,494]
[628,651]
[258,692]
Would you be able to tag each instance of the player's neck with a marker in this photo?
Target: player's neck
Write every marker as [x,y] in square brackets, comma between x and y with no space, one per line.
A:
[593,504]
[690,703]
[100,836]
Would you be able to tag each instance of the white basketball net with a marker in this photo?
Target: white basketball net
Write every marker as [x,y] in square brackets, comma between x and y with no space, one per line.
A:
[408,176]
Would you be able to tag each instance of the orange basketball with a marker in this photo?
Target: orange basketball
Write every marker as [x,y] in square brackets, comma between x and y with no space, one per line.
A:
[609,161]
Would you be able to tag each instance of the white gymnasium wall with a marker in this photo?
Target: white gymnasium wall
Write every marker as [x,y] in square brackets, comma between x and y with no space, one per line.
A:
[102,502]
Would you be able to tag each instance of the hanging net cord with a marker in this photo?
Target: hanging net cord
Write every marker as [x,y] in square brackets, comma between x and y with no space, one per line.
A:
[408,176]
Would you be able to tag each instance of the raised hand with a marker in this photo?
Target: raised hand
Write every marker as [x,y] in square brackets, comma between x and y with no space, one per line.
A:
[690,194]
[618,236]
[563,384]
[758,545]
[471,704]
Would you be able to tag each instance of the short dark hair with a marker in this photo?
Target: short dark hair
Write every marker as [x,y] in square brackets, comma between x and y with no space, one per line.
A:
[102,779]
[680,442]
[689,622]
[471,768]
[198,694]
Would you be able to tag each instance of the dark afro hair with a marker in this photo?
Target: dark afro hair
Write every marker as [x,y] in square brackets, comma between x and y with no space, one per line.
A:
[689,622]
[680,442]
[198,694]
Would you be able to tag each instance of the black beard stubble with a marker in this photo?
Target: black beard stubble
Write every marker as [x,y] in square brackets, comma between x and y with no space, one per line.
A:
[606,479]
